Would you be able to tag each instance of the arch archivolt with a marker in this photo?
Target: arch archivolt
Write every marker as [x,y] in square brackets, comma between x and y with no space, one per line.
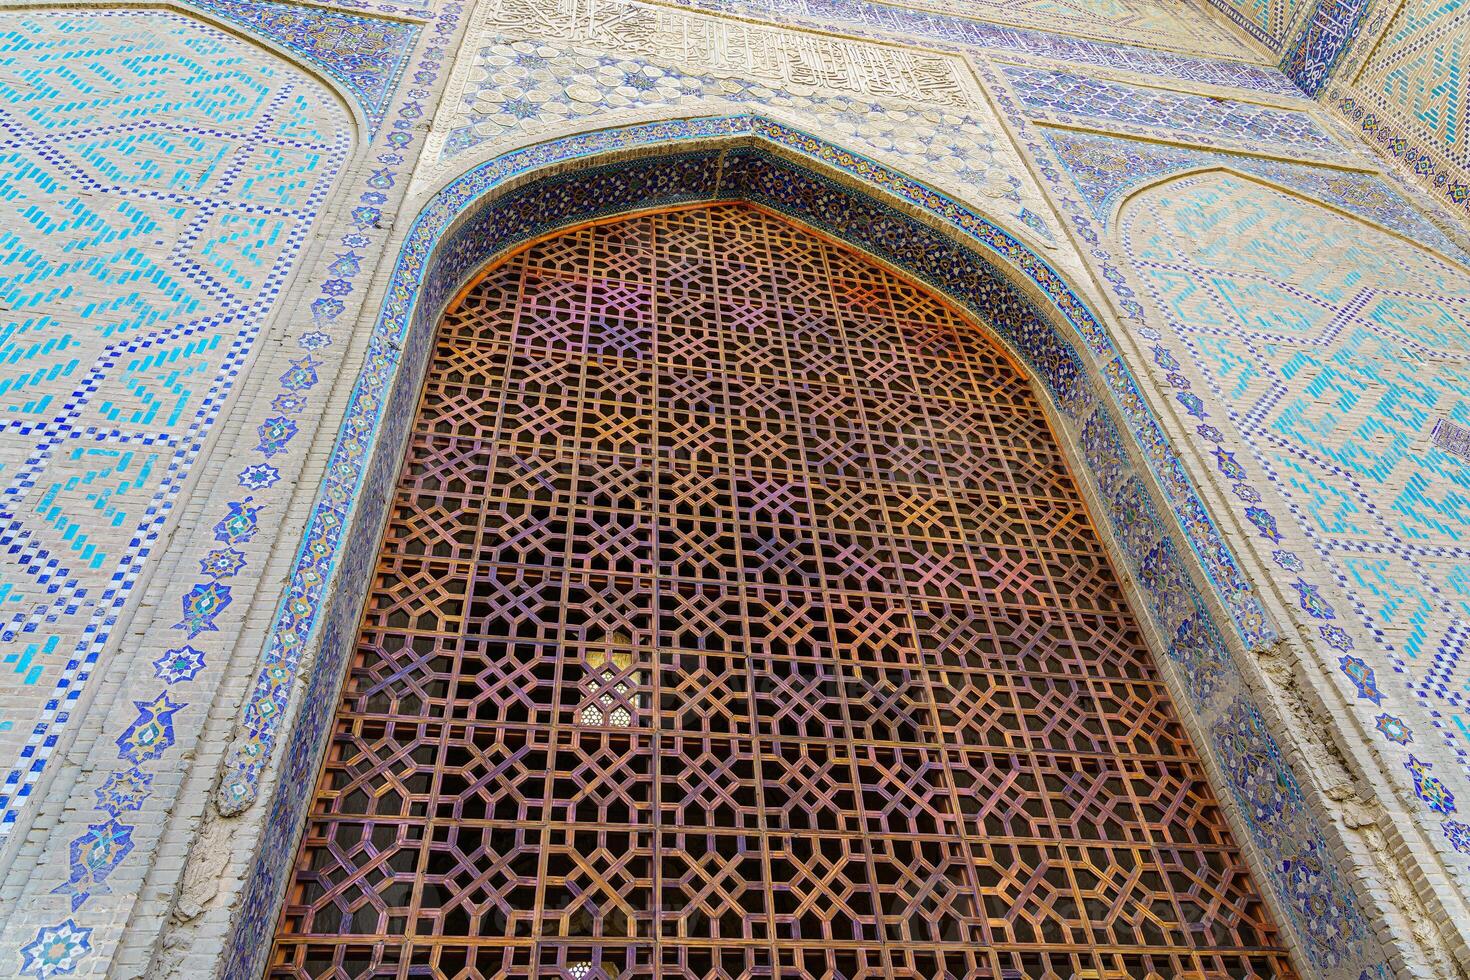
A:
[1200,613]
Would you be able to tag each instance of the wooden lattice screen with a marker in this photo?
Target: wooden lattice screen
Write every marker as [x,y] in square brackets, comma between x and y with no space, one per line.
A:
[738,617]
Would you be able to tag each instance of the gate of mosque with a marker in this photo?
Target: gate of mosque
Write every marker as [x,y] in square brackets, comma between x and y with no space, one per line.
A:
[737,616]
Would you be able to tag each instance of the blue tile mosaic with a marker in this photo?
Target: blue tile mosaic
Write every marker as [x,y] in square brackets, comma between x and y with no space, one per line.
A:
[124,131]
[1070,97]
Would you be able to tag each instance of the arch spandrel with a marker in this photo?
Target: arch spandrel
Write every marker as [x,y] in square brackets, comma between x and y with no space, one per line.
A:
[454,236]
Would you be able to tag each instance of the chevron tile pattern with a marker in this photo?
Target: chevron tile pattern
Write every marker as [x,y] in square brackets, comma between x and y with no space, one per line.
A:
[1333,348]
[157,180]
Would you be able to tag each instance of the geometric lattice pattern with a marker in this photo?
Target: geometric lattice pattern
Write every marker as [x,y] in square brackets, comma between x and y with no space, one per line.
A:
[737,616]
[157,180]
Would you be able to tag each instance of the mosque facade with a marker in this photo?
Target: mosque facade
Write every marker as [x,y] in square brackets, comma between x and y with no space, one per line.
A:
[735,488]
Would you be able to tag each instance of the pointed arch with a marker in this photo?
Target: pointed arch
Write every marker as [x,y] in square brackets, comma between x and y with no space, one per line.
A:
[1200,612]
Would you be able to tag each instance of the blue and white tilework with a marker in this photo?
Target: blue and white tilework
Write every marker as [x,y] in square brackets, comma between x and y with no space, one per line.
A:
[1106,169]
[157,187]
[1328,30]
[56,950]
[107,405]
[163,724]
[367,55]
[1268,21]
[1180,26]
[1400,143]
[1330,349]
[1074,98]
[1321,380]
[1213,426]
[521,88]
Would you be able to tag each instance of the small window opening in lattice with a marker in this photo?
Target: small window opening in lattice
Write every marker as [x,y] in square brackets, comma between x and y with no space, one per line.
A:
[614,687]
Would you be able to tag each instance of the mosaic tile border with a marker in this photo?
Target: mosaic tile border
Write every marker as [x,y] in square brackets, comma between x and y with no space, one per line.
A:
[1448,181]
[451,238]
[1073,98]
[1451,437]
[1250,26]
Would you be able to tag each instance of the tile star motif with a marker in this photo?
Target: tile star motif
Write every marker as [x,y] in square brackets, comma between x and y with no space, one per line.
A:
[241,522]
[124,791]
[152,732]
[223,563]
[163,214]
[259,476]
[56,951]
[301,375]
[274,434]
[179,665]
[1430,789]
[1393,729]
[94,856]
